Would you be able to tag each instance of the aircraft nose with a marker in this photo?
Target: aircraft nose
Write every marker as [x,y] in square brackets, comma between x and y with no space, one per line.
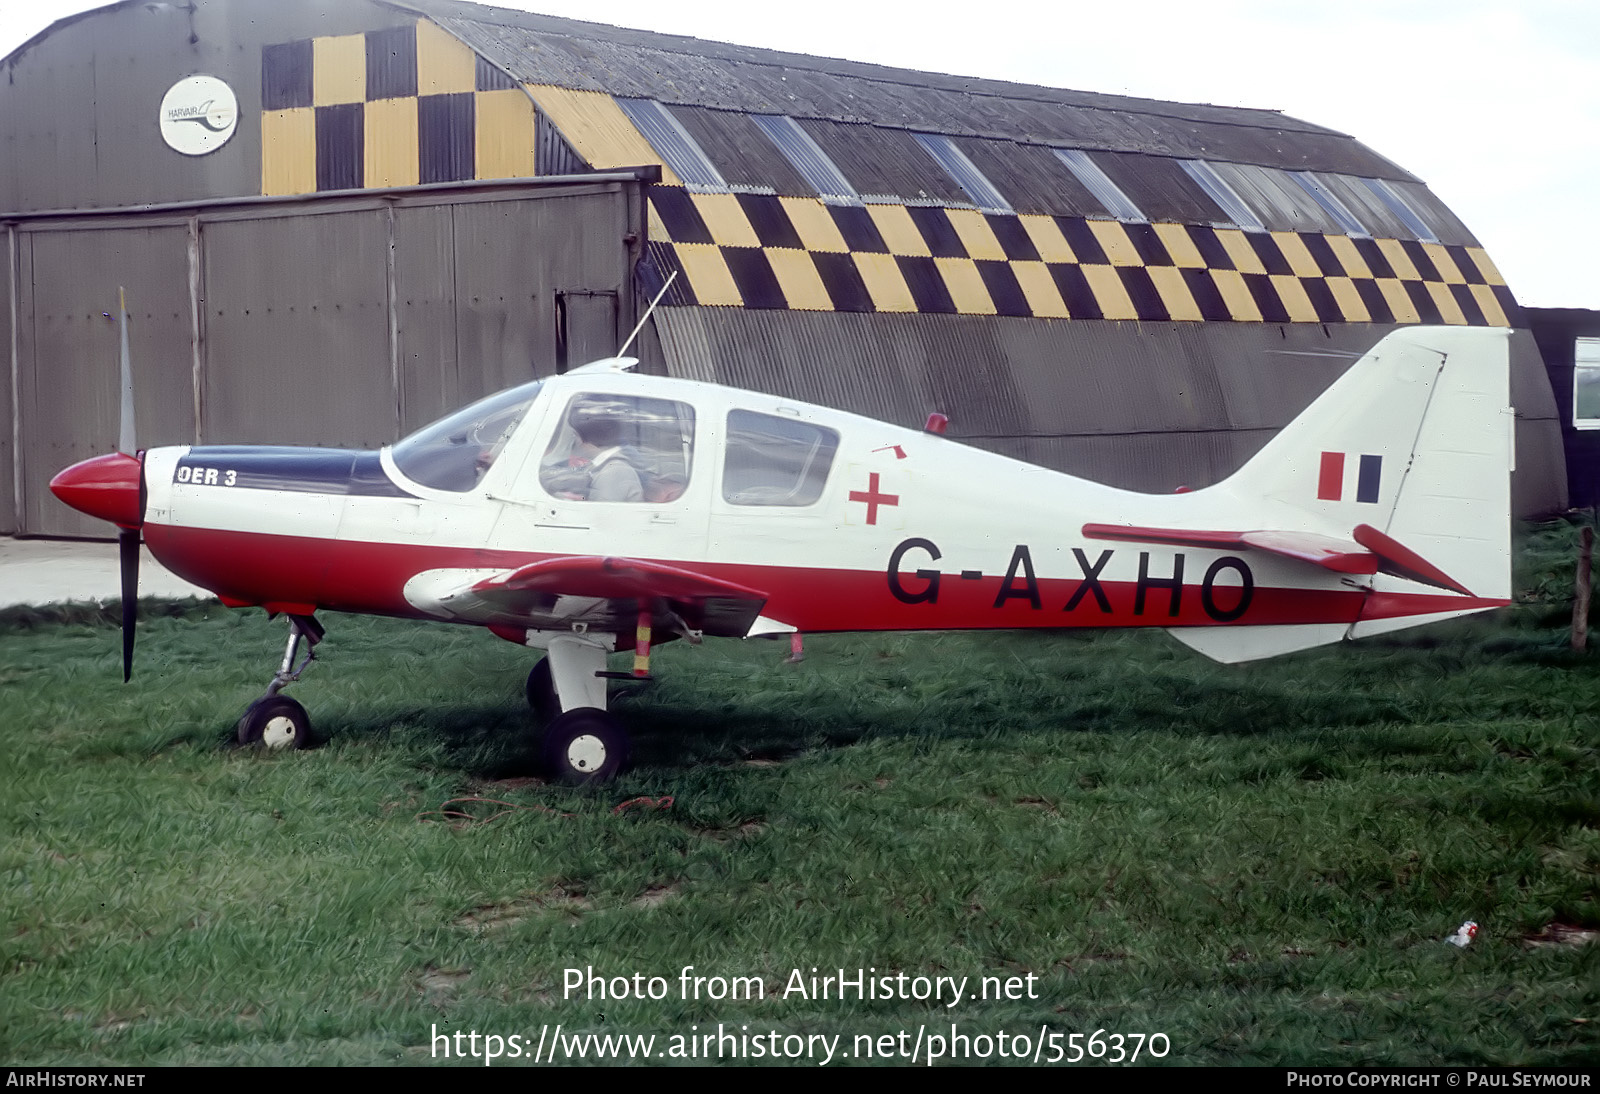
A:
[105,486]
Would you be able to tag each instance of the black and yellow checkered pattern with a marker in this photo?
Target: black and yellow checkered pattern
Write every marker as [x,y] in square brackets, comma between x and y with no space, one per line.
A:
[414,104]
[760,251]
[394,107]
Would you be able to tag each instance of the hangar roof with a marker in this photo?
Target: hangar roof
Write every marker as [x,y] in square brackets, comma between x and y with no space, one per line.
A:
[683,71]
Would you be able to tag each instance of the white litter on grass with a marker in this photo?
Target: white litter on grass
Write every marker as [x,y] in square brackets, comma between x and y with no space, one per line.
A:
[1464,934]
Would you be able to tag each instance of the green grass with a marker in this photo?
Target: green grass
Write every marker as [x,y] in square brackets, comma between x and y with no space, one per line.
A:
[1260,862]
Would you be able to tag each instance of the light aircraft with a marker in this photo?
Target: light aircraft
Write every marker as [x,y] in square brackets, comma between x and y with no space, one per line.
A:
[603,511]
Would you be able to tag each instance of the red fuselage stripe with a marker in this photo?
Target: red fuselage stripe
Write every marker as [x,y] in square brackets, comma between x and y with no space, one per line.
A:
[350,576]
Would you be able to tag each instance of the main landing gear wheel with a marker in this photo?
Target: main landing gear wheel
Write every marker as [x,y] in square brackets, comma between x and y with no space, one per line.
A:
[542,692]
[275,722]
[585,745]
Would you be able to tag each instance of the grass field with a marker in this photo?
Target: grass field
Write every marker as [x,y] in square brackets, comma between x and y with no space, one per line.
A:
[1259,862]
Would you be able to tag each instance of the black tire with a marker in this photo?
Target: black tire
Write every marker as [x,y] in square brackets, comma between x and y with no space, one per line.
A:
[541,691]
[276,722]
[585,746]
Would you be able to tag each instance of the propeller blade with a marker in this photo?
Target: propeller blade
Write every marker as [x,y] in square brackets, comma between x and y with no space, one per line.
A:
[126,441]
[128,538]
[128,550]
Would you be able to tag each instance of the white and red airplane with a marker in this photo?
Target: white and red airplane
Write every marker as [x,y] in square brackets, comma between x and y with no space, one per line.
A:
[601,511]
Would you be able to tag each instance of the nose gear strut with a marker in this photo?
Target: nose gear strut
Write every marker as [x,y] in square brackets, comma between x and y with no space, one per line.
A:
[277,721]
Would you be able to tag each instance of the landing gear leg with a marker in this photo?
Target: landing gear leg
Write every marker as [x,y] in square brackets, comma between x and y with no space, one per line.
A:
[277,721]
[542,692]
[582,742]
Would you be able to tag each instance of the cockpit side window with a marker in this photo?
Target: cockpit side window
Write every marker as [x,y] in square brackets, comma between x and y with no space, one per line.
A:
[620,448]
[455,452]
[776,461]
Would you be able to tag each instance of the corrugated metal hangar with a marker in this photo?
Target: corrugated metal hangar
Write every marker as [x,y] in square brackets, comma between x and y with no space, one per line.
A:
[336,221]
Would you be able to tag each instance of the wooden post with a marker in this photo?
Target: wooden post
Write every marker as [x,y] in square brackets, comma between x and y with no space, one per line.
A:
[1580,593]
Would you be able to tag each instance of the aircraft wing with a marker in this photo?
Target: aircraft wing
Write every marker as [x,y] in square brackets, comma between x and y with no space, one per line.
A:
[600,592]
[1368,551]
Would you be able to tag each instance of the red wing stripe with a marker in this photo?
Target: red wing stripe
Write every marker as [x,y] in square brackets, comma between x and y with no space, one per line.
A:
[592,575]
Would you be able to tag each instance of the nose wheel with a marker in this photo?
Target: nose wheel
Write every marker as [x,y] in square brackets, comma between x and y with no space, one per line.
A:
[276,722]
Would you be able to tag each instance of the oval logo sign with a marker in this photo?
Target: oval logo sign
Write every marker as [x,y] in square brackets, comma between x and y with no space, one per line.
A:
[198,115]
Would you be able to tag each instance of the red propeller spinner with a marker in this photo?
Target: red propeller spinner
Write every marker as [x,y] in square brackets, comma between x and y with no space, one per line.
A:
[105,486]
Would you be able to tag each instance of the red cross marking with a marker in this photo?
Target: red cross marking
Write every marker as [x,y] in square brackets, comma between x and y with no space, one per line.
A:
[873,498]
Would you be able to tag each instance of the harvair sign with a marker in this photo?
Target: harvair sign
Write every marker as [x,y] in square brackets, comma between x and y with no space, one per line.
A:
[198,115]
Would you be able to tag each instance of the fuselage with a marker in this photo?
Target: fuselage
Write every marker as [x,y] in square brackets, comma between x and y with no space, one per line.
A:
[608,504]
[906,530]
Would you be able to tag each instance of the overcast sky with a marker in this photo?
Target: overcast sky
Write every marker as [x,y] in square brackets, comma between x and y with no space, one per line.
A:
[1494,103]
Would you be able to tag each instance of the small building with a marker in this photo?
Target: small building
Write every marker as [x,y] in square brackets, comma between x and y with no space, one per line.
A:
[335,222]
[1569,341]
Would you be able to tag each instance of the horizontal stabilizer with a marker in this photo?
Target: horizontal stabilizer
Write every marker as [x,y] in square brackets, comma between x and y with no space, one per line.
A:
[1368,551]
[1340,556]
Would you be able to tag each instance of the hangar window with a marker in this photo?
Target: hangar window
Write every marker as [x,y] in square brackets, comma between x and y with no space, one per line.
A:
[1106,192]
[620,448]
[1586,383]
[674,145]
[808,158]
[775,461]
[1401,208]
[1330,203]
[455,452]
[1218,190]
[959,167]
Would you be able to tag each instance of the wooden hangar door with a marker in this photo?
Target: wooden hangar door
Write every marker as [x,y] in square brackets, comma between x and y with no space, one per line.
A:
[69,397]
[343,321]
[485,291]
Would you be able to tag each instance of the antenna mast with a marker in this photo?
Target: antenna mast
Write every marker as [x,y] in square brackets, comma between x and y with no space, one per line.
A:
[648,312]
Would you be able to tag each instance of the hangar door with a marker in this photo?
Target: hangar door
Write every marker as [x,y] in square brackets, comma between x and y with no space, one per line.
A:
[337,322]
[69,402]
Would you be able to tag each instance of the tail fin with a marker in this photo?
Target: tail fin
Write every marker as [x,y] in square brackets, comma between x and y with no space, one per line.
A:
[1416,441]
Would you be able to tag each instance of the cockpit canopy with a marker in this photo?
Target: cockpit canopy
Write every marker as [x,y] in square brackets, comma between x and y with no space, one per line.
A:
[613,446]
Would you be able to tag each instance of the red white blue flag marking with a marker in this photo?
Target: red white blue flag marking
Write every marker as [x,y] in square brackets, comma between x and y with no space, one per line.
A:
[1333,480]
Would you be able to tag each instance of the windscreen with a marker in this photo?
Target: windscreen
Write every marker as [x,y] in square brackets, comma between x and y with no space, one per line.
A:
[455,452]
